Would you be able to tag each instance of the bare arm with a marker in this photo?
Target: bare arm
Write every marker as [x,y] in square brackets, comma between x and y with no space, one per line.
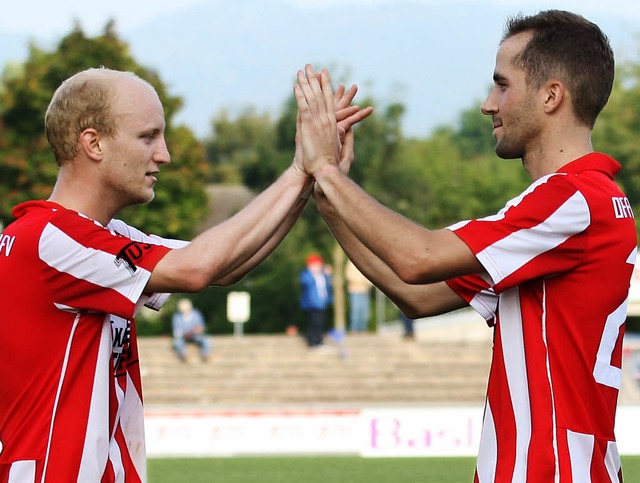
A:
[221,250]
[227,252]
[414,254]
[415,300]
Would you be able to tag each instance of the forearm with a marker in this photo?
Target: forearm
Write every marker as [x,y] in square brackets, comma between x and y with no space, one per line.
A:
[268,247]
[223,249]
[391,237]
[415,300]
[415,254]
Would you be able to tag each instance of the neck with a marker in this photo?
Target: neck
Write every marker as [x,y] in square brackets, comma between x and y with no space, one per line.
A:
[553,153]
[78,193]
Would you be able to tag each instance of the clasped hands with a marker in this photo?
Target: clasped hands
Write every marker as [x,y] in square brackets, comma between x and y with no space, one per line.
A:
[324,133]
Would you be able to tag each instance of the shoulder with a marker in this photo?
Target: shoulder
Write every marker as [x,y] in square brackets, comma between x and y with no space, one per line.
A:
[133,233]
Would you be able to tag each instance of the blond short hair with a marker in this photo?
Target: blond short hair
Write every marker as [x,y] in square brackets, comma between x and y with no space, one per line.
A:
[82,101]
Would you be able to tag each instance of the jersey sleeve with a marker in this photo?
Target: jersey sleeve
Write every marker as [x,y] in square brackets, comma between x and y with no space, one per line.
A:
[477,292]
[153,301]
[541,233]
[92,268]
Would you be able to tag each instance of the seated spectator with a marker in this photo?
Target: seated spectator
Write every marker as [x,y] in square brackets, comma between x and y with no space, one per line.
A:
[189,327]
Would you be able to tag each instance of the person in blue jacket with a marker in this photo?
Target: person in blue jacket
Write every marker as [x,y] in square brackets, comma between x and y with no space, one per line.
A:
[315,298]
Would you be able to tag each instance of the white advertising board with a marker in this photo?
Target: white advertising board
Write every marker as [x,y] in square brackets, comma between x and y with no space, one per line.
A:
[388,432]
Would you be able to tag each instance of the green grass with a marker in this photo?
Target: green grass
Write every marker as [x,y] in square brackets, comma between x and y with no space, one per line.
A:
[305,469]
[325,469]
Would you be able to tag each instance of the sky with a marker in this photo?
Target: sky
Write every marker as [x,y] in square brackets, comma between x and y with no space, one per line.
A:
[434,56]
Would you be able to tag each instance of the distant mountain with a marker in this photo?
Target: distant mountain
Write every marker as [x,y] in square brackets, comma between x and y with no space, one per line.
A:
[435,59]
[244,53]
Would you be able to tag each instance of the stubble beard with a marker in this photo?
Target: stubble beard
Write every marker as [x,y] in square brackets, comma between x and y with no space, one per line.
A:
[506,150]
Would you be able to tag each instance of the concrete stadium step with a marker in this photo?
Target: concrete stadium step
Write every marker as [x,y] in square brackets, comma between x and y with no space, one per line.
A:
[280,369]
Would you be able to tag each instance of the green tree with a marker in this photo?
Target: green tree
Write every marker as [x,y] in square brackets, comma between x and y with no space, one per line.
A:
[242,149]
[28,168]
[617,128]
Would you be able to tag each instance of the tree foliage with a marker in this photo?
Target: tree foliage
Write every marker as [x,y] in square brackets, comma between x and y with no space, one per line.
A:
[28,168]
[451,175]
[617,128]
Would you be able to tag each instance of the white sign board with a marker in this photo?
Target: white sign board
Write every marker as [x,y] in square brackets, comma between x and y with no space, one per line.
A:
[238,307]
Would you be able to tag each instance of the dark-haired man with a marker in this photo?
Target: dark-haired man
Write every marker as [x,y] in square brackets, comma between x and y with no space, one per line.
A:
[550,272]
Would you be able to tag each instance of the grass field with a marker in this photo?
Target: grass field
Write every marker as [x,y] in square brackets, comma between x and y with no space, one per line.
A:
[324,469]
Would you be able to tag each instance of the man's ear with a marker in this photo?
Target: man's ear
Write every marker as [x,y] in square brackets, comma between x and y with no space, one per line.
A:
[554,95]
[89,143]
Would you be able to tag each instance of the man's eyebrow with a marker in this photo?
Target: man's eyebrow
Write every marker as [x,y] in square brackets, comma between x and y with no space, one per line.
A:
[498,77]
[152,130]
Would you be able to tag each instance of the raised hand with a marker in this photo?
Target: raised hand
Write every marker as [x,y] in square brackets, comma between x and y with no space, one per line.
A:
[312,94]
[318,130]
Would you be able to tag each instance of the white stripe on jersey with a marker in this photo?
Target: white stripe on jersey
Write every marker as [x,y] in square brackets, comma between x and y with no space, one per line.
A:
[66,255]
[63,373]
[581,453]
[612,461]
[488,452]
[509,204]
[134,234]
[115,457]
[133,428]
[604,372]
[22,471]
[513,351]
[96,442]
[522,246]
[485,303]
[553,396]
[157,300]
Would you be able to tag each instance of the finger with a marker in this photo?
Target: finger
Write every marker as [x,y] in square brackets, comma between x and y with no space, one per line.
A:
[346,112]
[348,122]
[346,153]
[315,82]
[347,97]
[338,94]
[327,92]
[301,100]
[309,90]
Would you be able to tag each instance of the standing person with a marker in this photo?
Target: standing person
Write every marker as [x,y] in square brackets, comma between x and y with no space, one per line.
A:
[408,327]
[188,327]
[358,289]
[316,295]
[550,272]
[74,276]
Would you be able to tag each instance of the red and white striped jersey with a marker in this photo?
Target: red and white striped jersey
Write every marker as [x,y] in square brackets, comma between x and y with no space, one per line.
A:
[70,389]
[558,261]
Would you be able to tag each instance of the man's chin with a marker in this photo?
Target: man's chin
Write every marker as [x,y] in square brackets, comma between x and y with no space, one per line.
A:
[143,200]
[504,152]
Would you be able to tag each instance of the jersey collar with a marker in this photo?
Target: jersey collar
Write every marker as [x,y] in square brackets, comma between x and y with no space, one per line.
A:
[592,162]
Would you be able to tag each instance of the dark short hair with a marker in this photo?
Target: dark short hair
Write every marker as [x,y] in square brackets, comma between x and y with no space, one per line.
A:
[572,49]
